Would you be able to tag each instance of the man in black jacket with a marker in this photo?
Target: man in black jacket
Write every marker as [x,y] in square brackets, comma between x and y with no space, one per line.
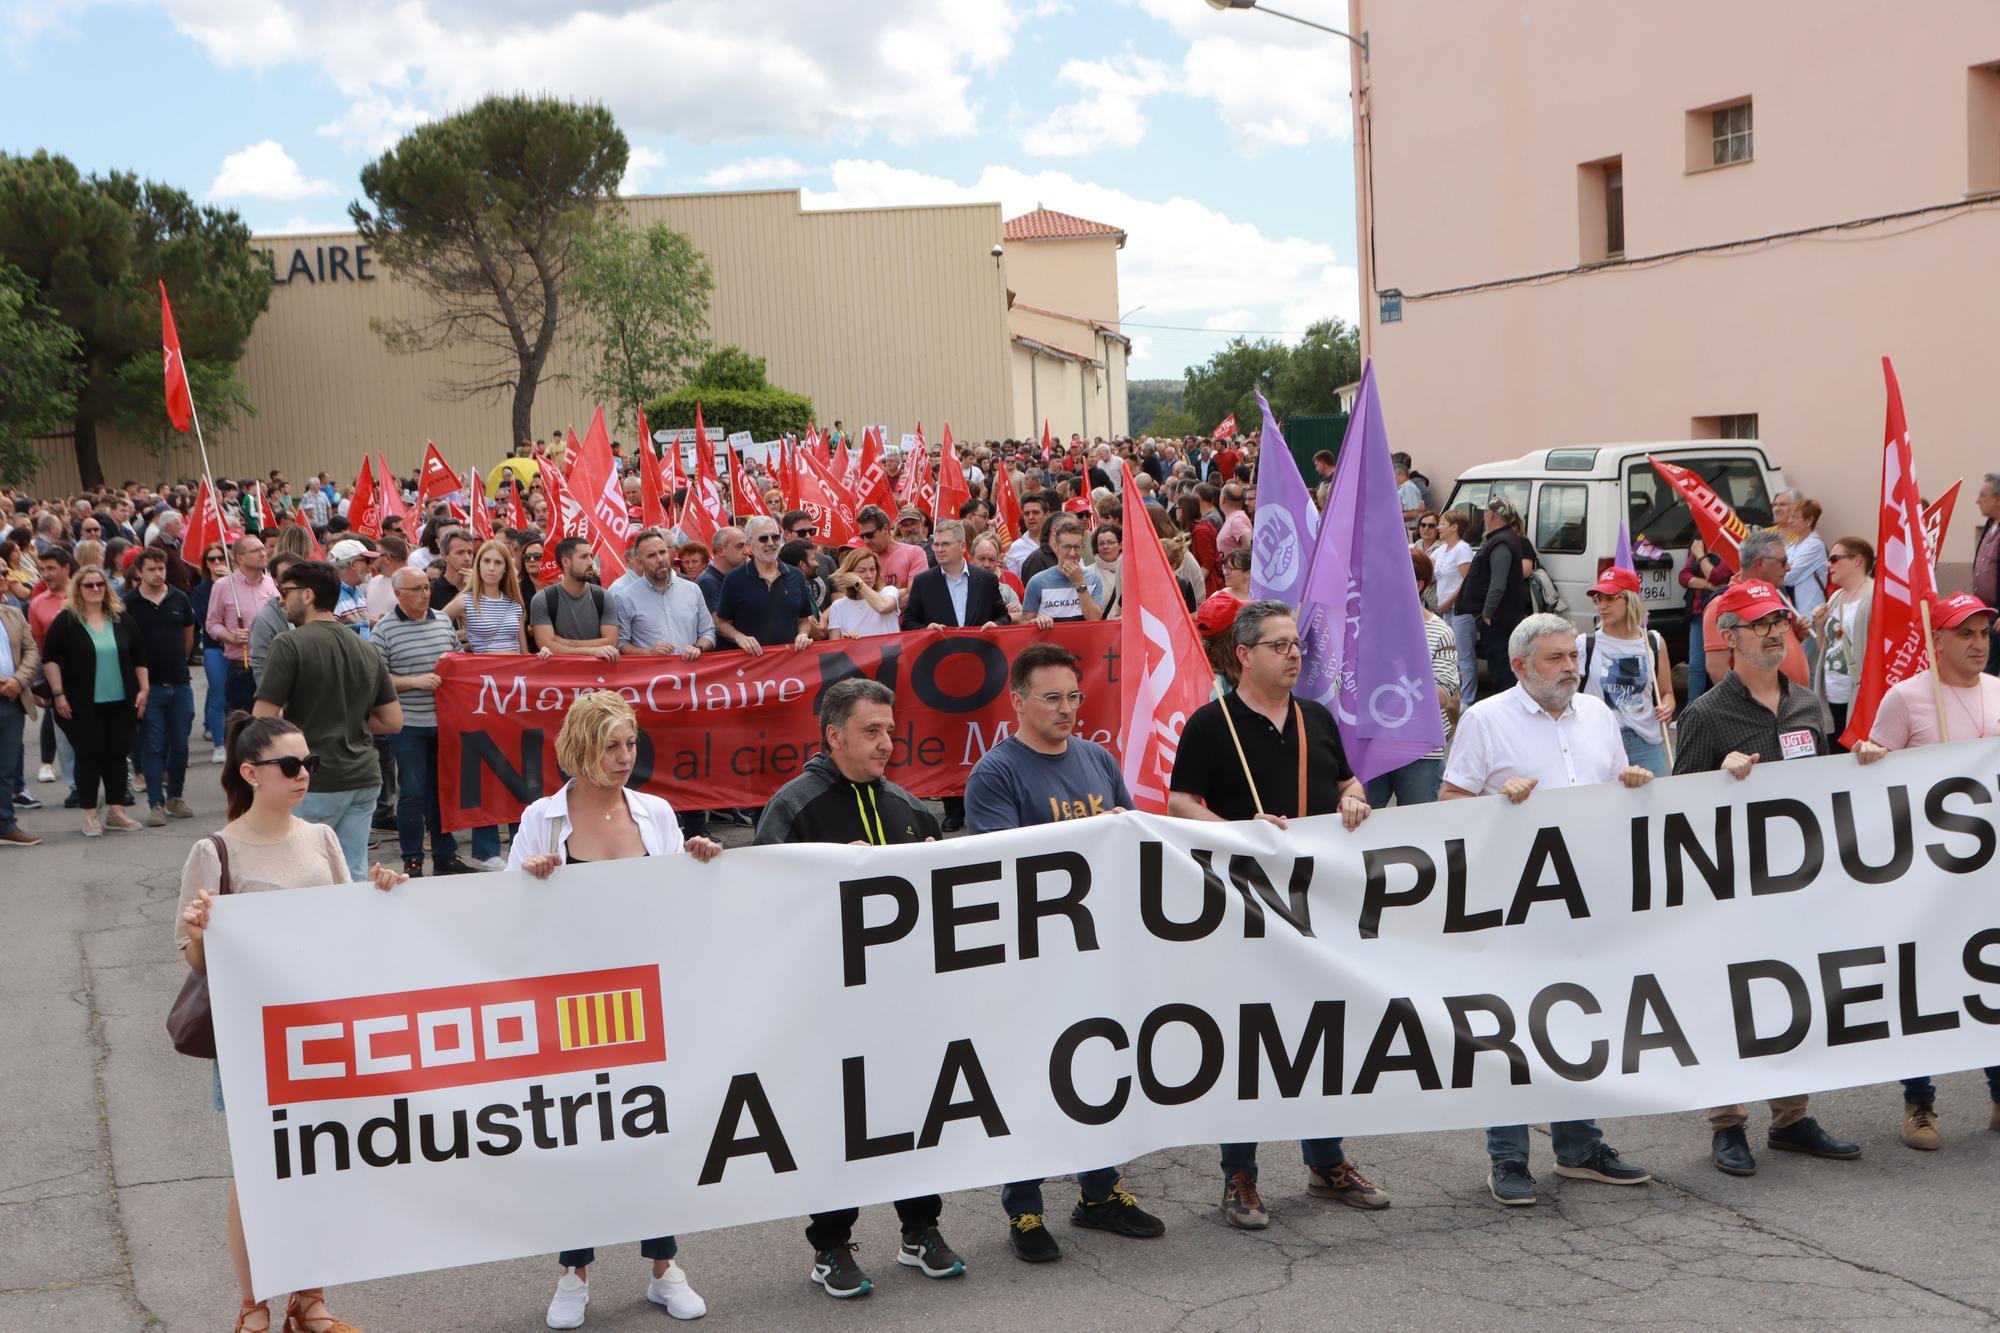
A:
[841,796]
[956,594]
[1496,590]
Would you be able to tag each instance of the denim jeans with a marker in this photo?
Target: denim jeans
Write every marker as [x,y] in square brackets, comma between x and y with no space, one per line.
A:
[660,1247]
[1649,755]
[1415,783]
[1697,663]
[348,814]
[416,796]
[215,708]
[1465,629]
[486,842]
[1314,1152]
[1025,1196]
[163,740]
[1920,1091]
[13,721]
[1573,1141]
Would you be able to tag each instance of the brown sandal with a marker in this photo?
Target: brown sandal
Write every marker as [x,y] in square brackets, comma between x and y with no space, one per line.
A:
[249,1308]
[297,1321]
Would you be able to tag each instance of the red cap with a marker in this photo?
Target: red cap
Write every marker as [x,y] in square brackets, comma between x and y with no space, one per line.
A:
[1615,580]
[1217,614]
[1953,611]
[1750,601]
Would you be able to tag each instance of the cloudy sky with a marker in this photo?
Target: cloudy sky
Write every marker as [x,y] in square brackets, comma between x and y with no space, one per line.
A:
[1220,142]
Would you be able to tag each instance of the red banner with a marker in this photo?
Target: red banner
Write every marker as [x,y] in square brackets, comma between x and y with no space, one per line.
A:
[1224,429]
[1722,531]
[730,729]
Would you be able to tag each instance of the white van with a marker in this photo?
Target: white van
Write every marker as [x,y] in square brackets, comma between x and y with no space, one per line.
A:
[1572,500]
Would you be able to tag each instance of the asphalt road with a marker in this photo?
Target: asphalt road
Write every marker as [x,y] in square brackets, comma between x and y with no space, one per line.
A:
[113,1174]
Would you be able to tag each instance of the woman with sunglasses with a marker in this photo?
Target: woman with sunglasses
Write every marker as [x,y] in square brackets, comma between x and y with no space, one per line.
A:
[268,769]
[214,661]
[1841,623]
[98,686]
[596,817]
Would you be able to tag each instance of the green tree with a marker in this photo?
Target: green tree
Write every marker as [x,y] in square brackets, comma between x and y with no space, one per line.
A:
[1326,357]
[642,304]
[43,371]
[94,249]
[1170,422]
[1143,398]
[734,394]
[484,213]
[730,368]
[1224,384]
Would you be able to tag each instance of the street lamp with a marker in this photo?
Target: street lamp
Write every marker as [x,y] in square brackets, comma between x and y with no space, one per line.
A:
[1224,6]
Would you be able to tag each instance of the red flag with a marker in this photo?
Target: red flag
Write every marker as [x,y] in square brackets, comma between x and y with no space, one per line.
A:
[437,480]
[564,521]
[1224,429]
[1905,575]
[1006,505]
[570,451]
[267,518]
[952,488]
[747,502]
[653,494]
[1166,675]
[702,515]
[392,493]
[299,520]
[482,513]
[364,505]
[849,460]
[872,485]
[788,471]
[205,526]
[823,497]
[1046,442]
[180,401]
[517,509]
[595,484]
[1721,530]
[1937,519]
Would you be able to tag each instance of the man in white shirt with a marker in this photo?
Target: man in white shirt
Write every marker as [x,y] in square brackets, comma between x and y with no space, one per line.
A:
[1544,733]
[1034,510]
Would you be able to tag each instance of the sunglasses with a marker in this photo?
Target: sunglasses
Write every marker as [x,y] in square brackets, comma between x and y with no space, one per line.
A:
[94,583]
[290,765]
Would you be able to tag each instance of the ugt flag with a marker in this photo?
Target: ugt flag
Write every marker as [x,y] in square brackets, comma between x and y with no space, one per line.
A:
[1366,657]
[1281,543]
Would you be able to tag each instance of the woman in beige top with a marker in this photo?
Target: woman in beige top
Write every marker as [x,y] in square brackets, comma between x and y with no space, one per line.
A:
[268,768]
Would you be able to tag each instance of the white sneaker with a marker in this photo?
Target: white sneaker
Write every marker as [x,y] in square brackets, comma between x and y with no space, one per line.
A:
[673,1291]
[567,1305]
[492,863]
[221,756]
[47,774]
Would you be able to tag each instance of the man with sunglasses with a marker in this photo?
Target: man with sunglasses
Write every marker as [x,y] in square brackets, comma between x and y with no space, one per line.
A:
[323,678]
[1043,774]
[1757,713]
[799,527]
[764,603]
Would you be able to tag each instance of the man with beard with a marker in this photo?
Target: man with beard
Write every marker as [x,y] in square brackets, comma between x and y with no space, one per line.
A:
[1756,714]
[1508,744]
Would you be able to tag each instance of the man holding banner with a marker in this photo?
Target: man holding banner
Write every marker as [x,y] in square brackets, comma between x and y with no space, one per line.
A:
[1755,713]
[1544,733]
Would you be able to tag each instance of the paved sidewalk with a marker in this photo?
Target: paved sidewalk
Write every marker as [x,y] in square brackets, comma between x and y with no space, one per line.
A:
[113,1171]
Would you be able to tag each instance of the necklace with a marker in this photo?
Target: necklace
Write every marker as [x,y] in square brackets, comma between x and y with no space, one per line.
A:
[1971,714]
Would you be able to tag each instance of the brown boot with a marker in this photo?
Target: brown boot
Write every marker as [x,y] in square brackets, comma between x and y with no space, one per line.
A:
[1920,1128]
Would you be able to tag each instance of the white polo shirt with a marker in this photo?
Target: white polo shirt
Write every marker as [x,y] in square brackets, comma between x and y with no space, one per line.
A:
[1509,735]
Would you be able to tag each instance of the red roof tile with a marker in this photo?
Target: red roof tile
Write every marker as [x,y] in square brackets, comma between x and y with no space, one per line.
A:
[1045,224]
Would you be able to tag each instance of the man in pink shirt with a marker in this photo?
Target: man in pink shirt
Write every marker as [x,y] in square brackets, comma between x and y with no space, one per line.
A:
[231,607]
[901,562]
[1908,717]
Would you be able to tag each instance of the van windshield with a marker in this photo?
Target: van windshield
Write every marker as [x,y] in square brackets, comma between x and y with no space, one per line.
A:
[1658,513]
[1472,497]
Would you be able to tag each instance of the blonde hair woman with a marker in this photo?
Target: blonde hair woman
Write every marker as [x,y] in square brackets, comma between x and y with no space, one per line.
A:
[490,615]
[1625,664]
[596,817]
[865,608]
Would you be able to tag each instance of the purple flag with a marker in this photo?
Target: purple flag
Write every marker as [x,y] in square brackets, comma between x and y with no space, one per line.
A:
[1366,655]
[1287,521]
[1623,560]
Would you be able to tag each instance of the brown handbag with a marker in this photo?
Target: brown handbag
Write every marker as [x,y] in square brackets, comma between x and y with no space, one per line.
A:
[189,1022]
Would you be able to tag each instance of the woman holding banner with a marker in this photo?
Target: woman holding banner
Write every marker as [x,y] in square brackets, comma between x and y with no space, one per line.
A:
[263,846]
[596,817]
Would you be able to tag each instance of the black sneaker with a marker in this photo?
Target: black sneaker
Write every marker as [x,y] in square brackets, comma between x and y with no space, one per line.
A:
[1603,1164]
[836,1271]
[926,1250]
[1511,1184]
[1732,1152]
[383,824]
[414,867]
[1807,1137]
[72,801]
[452,866]
[1030,1240]
[1120,1214]
[23,801]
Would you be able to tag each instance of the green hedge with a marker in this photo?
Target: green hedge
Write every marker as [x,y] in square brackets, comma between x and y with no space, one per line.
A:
[765,413]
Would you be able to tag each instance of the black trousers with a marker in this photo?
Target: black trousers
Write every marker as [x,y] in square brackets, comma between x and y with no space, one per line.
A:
[239,686]
[101,735]
[1493,647]
[827,1230]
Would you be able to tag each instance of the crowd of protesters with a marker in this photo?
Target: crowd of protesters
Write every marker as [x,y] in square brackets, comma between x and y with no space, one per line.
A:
[320,646]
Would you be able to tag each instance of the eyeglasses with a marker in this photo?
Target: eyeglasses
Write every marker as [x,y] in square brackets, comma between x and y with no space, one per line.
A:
[1055,700]
[1840,555]
[290,764]
[1282,647]
[1766,624]
[218,559]
[287,589]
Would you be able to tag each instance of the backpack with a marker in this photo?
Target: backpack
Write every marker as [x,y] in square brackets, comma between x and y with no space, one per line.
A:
[1543,595]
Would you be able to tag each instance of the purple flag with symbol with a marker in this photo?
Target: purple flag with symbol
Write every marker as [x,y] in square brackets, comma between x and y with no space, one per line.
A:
[1623,559]
[1287,521]
[1366,655]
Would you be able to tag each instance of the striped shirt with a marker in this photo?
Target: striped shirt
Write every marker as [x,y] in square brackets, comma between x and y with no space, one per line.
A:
[493,624]
[412,648]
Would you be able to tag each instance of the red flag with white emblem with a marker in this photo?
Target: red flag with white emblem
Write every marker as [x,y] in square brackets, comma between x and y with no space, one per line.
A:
[437,480]
[595,484]
[952,489]
[180,400]
[1165,675]
[364,505]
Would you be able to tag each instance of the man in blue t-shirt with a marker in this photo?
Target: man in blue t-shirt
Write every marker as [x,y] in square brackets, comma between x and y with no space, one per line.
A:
[1041,775]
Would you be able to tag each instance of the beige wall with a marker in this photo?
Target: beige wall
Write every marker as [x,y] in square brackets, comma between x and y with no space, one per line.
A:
[881,315]
[1858,111]
[1077,278]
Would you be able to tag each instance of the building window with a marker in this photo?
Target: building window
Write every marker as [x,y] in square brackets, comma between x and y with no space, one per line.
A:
[1729,133]
[1614,212]
[1982,129]
[1600,210]
[1730,426]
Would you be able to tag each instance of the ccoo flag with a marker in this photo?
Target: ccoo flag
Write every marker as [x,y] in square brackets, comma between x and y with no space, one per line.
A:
[1281,544]
[1167,674]
[180,402]
[1366,656]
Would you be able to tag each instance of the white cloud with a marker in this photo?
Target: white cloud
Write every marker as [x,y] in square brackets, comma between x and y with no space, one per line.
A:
[757,170]
[264,170]
[1274,82]
[1186,262]
[641,165]
[1108,116]
[372,124]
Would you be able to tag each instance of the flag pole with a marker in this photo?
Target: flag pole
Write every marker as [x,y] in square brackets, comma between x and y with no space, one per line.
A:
[215,499]
[1937,683]
[1241,758]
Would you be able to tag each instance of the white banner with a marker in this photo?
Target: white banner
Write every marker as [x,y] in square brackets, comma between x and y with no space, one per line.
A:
[474,1069]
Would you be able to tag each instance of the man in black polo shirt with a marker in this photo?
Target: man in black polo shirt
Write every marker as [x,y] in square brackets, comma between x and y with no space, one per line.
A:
[1212,782]
[165,620]
[1754,715]
[764,604]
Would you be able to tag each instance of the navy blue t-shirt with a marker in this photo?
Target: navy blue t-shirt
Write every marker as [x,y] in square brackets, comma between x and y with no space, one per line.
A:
[1015,786]
[767,612]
